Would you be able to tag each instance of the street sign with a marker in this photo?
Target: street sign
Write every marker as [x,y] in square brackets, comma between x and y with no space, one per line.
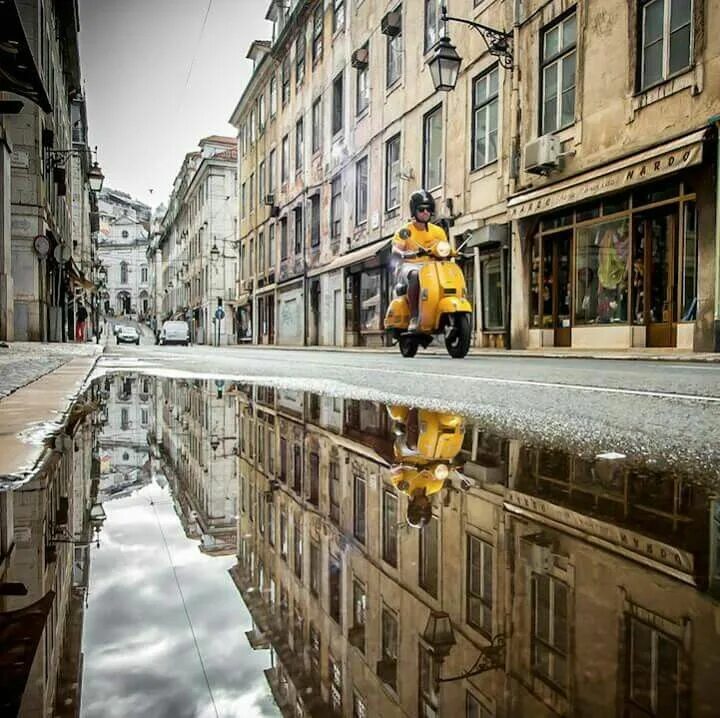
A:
[219,313]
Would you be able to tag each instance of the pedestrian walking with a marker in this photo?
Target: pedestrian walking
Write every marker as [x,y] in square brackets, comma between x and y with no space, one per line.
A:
[82,316]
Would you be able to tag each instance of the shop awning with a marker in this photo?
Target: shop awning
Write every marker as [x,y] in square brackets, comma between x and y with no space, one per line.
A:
[18,71]
[76,276]
[642,167]
[357,255]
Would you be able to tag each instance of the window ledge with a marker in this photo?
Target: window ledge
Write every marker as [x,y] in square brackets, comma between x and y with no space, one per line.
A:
[363,114]
[659,92]
[389,89]
[486,170]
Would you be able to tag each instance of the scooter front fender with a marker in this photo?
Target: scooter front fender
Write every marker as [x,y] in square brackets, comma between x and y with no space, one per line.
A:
[453,305]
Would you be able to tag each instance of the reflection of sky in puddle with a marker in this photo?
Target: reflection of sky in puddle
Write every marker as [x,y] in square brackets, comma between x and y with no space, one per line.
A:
[139,654]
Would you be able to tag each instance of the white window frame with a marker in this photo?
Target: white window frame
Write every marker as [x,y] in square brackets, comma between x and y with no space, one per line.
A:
[361,200]
[427,160]
[557,60]
[484,108]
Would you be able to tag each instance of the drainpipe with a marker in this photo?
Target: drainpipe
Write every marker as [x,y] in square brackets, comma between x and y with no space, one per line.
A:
[716,324]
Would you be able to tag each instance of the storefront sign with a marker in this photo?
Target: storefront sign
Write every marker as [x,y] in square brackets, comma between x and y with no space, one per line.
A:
[20,160]
[646,167]
[621,537]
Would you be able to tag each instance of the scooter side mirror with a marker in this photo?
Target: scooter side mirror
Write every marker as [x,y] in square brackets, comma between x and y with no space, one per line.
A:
[400,289]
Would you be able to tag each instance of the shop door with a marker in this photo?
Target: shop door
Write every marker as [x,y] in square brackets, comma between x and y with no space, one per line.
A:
[338,323]
[271,318]
[556,287]
[658,243]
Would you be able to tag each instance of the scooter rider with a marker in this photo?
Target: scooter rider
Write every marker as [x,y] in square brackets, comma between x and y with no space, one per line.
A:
[411,244]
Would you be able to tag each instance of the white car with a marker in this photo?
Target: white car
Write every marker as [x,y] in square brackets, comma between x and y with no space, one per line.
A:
[128,335]
[175,333]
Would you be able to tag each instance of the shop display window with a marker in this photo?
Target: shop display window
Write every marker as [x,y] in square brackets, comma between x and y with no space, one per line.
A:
[493,293]
[690,264]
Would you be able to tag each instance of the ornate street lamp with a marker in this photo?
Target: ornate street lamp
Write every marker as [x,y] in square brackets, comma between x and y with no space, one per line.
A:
[95,177]
[214,252]
[445,62]
[214,442]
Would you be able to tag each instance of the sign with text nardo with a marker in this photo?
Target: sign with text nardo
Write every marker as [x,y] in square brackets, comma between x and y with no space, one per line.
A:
[615,177]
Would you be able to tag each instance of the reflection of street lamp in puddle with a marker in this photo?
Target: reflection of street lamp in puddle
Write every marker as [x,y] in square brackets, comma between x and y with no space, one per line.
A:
[97,519]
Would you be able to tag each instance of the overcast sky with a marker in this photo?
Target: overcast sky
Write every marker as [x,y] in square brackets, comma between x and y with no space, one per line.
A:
[136,55]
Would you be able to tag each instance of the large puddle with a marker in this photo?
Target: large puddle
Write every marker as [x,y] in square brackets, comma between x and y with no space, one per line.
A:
[233,549]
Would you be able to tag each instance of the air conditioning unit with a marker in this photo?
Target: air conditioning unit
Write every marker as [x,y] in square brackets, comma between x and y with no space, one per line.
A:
[542,155]
[270,199]
[391,24]
[360,58]
[275,211]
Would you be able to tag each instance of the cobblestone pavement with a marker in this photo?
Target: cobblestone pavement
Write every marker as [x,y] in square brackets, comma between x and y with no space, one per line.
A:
[23,362]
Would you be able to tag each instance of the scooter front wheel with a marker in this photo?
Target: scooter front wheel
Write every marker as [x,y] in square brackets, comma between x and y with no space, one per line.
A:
[408,346]
[458,342]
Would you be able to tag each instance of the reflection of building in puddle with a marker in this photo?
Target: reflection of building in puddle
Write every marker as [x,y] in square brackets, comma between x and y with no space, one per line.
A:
[46,527]
[124,453]
[196,438]
[594,573]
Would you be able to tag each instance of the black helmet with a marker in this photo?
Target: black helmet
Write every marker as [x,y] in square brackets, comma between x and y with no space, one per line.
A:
[419,511]
[421,199]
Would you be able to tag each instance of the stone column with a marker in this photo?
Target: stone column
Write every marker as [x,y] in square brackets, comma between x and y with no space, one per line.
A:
[7,292]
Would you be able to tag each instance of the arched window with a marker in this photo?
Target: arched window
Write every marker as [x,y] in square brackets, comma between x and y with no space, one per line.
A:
[123,272]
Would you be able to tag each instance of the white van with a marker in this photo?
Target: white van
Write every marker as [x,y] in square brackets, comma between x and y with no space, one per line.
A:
[175,333]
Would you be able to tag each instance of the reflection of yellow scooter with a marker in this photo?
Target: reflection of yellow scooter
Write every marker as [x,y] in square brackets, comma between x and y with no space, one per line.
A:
[426,445]
[444,307]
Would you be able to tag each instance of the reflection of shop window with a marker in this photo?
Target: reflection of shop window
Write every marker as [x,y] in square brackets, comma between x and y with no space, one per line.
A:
[479,584]
[558,75]
[665,40]
[654,670]
[485,118]
[550,630]
[428,558]
[493,293]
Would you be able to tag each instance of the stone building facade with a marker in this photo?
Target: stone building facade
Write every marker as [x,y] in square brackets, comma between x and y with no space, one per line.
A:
[340,122]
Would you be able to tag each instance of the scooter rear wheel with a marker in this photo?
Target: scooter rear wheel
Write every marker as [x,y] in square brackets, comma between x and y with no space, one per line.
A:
[458,343]
[408,346]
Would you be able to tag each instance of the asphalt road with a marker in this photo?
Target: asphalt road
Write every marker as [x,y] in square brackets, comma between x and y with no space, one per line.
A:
[664,412]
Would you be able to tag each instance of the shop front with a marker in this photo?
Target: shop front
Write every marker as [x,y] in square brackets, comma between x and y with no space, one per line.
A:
[265,299]
[291,313]
[621,257]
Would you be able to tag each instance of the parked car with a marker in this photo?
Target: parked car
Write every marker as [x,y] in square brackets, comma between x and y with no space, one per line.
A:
[128,335]
[175,333]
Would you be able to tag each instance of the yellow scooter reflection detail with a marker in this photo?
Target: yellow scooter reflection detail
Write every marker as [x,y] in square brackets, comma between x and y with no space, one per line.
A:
[425,448]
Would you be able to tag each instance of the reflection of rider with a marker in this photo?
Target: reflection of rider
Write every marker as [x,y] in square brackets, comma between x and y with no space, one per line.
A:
[411,243]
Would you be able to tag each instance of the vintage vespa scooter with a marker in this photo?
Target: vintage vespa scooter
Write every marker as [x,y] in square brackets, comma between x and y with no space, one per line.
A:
[444,307]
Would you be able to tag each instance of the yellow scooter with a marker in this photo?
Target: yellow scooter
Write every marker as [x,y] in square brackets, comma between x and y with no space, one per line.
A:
[444,307]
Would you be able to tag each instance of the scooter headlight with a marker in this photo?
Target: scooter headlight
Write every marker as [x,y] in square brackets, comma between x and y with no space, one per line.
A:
[442,248]
[442,471]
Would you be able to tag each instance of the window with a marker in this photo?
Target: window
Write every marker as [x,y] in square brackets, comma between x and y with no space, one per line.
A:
[654,671]
[271,259]
[389,528]
[253,126]
[261,113]
[124,234]
[283,535]
[285,78]
[338,15]
[362,87]
[273,96]
[315,220]
[123,272]
[394,56]
[479,584]
[314,478]
[298,548]
[475,709]
[284,249]
[392,173]
[316,125]
[432,23]
[361,191]
[318,26]
[485,118]
[314,569]
[336,208]
[297,469]
[549,629]
[428,558]
[300,49]
[558,75]
[387,666]
[432,148]
[261,182]
[337,106]
[299,243]
[299,146]
[335,587]
[426,685]
[285,160]
[359,508]
[143,274]
[251,193]
[271,171]
[493,293]
[666,40]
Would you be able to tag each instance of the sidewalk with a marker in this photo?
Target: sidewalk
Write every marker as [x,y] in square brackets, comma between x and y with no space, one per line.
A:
[638,354]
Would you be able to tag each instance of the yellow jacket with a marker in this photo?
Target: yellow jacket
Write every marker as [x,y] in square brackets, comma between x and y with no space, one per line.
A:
[409,239]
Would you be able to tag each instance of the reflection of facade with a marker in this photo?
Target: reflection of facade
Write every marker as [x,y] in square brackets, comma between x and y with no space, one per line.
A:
[196,433]
[45,529]
[594,573]
[124,454]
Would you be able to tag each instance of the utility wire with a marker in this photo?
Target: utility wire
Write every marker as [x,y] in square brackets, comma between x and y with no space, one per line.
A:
[187,614]
[195,53]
